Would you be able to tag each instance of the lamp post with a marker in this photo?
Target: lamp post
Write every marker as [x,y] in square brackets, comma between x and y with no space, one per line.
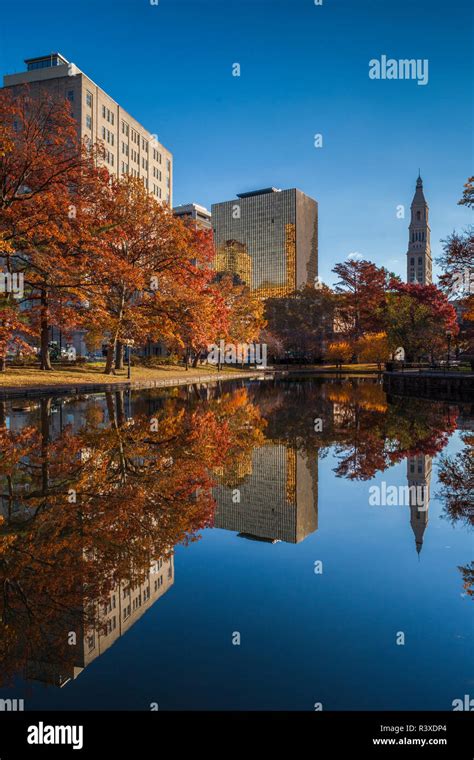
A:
[129,344]
[448,338]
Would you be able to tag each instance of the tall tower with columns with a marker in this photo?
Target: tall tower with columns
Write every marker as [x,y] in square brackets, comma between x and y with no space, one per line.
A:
[419,263]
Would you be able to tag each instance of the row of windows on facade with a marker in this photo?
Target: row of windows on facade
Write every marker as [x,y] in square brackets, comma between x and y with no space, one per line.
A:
[109,115]
[138,601]
[109,137]
[412,261]
[417,236]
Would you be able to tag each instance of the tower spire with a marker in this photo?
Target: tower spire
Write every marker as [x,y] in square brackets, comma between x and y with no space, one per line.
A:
[419,263]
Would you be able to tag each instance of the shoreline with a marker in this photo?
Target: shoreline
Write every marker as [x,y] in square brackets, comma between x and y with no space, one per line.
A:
[184,378]
[32,390]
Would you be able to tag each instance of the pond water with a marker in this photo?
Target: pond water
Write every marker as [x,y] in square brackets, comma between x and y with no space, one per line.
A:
[263,545]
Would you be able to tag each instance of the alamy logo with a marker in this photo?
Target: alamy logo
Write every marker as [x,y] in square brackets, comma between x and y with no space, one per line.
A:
[398,496]
[463,282]
[463,704]
[404,68]
[237,353]
[12,705]
[42,734]
[12,283]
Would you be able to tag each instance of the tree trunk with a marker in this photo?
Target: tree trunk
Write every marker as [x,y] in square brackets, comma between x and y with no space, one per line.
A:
[45,413]
[109,399]
[3,363]
[120,407]
[44,332]
[109,363]
[119,354]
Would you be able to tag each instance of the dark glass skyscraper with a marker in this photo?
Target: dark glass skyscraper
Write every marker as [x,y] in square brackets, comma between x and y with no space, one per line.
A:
[268,239]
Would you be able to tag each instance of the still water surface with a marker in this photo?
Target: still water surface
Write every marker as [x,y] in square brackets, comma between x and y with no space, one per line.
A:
[218,548]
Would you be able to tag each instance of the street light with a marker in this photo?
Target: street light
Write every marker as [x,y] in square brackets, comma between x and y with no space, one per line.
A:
[129,344]
[449,335]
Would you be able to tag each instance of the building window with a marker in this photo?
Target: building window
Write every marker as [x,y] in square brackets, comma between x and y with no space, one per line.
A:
[88,121]
[89,99]
[103,111]
[70,95]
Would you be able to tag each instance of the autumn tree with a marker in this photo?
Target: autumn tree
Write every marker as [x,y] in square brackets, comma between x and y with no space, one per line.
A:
[457,278]
[418,317]
[468,194]
[188,309]
[373,348]
[456,475]
[339,351]
[302,320]
[146,254]
[360,291]
[47,185]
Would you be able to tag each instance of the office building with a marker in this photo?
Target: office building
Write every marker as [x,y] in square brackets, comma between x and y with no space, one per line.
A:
[273,497]
[195,213]
[129,147]
[268,239]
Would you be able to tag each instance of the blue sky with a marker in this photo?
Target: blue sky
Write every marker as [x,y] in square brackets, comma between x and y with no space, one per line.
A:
[304,70]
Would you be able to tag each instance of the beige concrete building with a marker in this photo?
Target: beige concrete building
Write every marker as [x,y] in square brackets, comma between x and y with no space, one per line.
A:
[199,215]
[129,147]
[112,619]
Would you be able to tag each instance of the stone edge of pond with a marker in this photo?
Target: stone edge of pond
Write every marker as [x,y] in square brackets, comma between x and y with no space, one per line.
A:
[82,388]
[56,389]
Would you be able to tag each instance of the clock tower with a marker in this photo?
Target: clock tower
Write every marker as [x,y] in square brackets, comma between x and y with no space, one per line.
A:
[419,263]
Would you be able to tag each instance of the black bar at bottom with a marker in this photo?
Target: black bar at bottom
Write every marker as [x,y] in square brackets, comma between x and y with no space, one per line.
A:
[99,734]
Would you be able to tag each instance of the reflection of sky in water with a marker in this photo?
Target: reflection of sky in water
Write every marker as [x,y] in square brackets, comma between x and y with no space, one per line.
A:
[305,637]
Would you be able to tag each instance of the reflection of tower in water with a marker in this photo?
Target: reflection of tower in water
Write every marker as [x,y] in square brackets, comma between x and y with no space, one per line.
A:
[276,501]
[419,479]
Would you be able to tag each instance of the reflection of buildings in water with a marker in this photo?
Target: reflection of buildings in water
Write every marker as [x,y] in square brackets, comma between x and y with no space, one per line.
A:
[113,619]
[233,258]
[241,467]
[419,479]
[343,416]
[278,500]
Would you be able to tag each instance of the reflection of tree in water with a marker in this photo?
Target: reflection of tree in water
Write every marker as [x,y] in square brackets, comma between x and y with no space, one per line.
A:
[366,431]
[85,511]
[91,507]
[456,475]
